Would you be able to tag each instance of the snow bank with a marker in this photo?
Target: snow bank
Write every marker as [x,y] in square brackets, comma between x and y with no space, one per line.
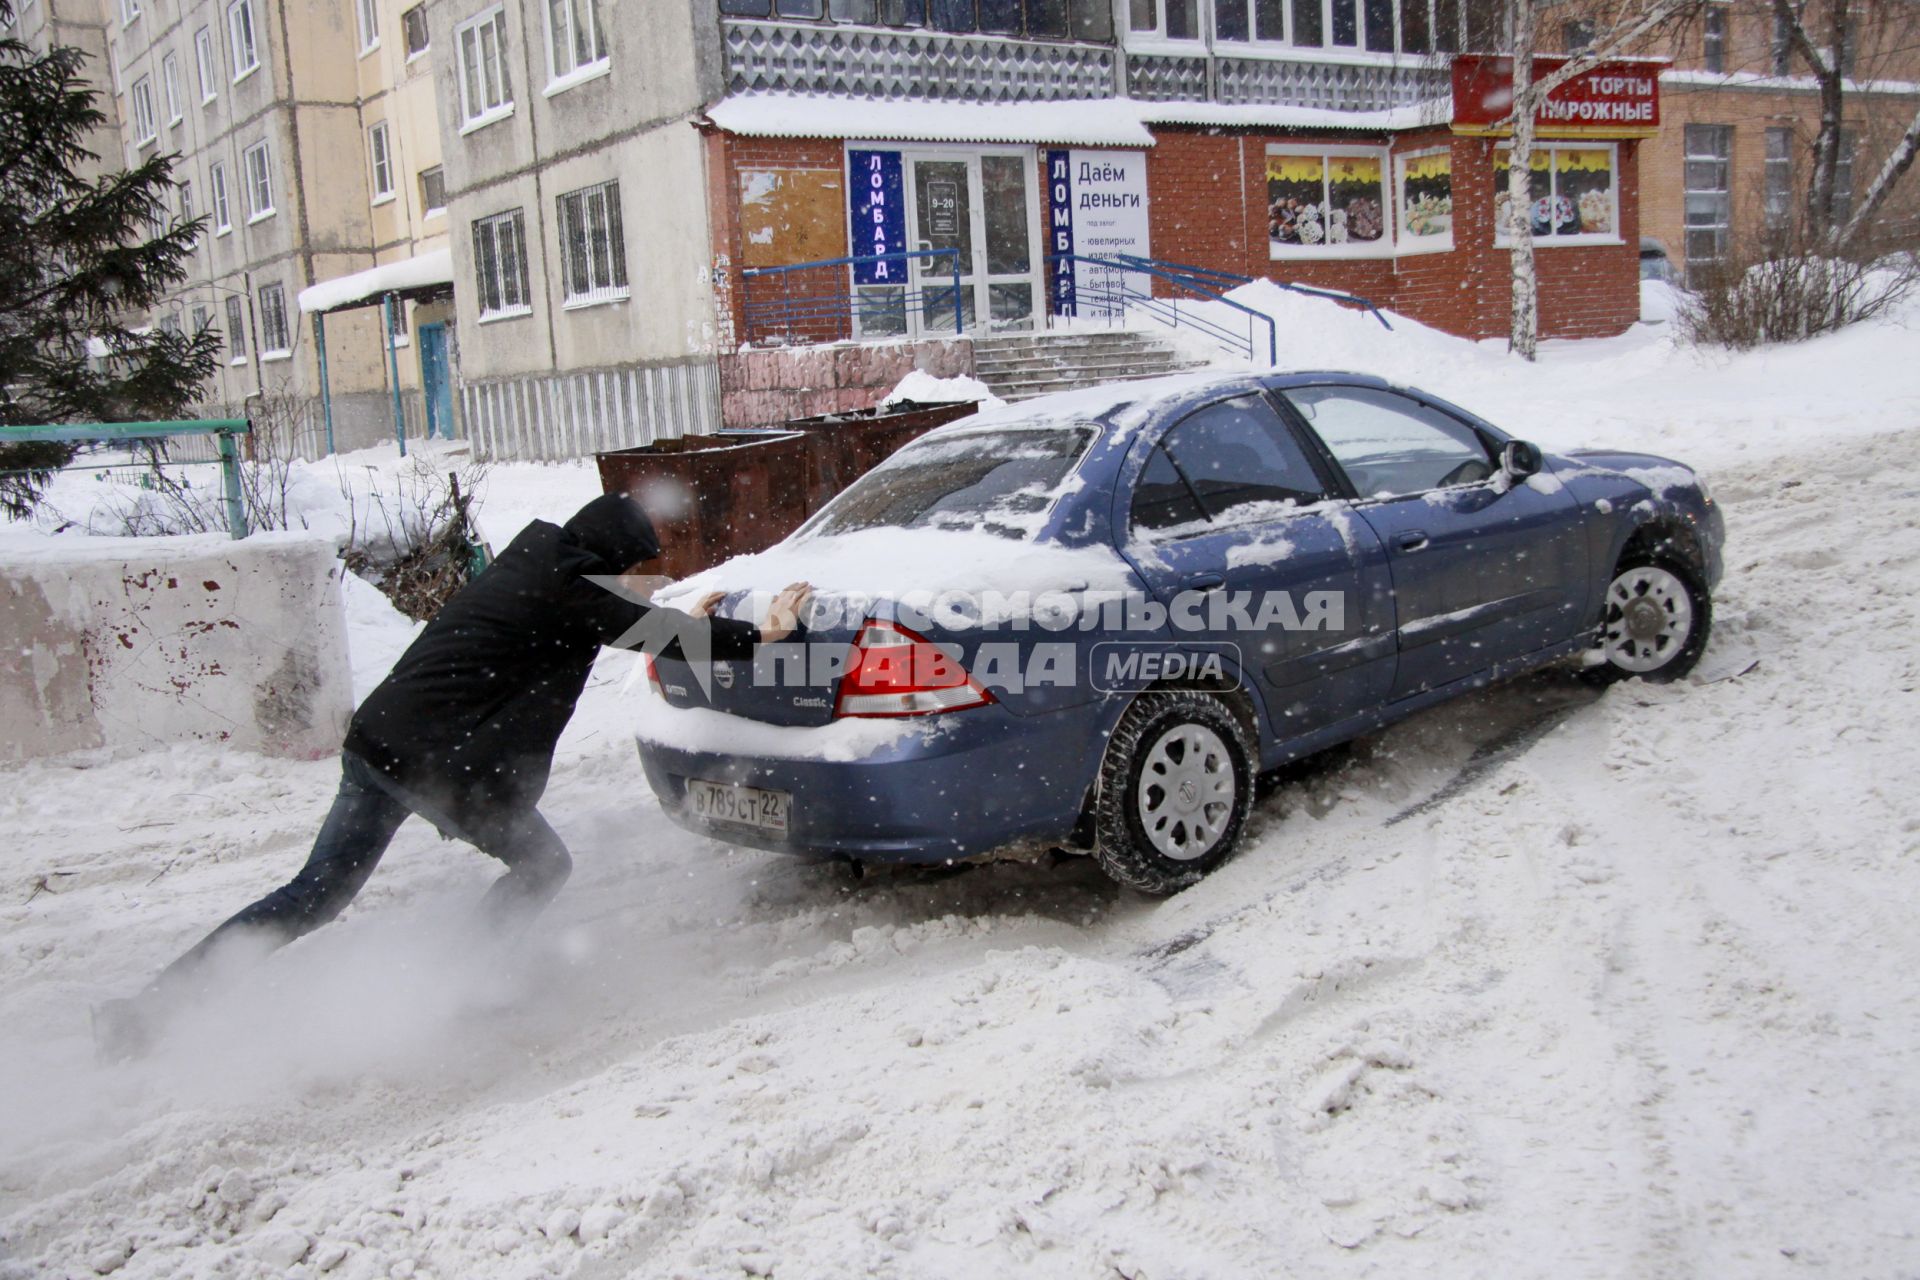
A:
[1659,302]
[924,388]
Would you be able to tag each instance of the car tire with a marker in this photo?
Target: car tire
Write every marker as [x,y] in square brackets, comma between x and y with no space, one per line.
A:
[1661,639]
[1176,786]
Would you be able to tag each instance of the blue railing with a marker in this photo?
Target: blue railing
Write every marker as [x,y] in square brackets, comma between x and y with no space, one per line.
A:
[1208,283]
[804,315]
[225,431]
[1114,297]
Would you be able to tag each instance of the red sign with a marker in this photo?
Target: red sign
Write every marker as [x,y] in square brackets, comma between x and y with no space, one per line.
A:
[1616,99]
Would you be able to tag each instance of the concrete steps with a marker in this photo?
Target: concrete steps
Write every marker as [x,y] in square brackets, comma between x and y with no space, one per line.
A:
[1023,366]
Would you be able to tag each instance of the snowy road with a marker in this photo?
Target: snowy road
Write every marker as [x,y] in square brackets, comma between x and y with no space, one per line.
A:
[1632,995]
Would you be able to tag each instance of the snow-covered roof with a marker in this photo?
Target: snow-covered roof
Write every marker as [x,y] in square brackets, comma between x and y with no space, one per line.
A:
[1784,84]
[1106,122]
[420,272]
[1254,115]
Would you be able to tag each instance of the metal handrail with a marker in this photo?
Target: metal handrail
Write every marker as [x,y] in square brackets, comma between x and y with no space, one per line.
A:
[1203,280]
[820,305]
[1157,306]
[224,431]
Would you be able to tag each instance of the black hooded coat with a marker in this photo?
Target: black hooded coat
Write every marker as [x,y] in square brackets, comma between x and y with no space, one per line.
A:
[468,718]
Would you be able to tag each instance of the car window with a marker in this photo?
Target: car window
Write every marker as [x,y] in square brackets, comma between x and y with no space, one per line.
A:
[1389,445]
[1230,462]
[1001,482]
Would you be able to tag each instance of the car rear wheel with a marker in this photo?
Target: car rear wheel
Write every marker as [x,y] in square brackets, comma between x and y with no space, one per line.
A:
[1175,789]
[1654,622]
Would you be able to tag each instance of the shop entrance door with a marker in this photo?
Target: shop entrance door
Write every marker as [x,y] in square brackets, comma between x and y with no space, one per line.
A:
[980,204]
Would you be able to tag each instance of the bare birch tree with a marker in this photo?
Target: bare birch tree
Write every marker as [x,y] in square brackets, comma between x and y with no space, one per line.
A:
[1618,26]
[1830,215]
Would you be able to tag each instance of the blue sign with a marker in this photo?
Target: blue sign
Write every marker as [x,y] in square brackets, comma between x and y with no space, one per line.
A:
[1060,229]
[879,215]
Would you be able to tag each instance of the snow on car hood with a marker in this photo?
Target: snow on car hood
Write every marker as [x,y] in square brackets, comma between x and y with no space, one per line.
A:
[999,577]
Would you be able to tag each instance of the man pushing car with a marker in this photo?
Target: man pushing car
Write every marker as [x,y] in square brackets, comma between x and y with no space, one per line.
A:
[462,733]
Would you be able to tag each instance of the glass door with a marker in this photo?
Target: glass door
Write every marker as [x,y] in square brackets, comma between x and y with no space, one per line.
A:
[943,209]
[1006,184]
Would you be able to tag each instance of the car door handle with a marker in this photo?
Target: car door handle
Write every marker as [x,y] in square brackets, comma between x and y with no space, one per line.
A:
[1206,581]
[1411,540]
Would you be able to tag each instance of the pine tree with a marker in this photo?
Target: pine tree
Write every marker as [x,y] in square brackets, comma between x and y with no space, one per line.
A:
[78,257]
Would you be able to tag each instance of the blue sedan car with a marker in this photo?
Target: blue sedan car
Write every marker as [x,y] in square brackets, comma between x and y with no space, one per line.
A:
[1089,621]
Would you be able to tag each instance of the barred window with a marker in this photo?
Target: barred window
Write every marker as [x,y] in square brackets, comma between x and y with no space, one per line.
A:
[593,245]
[275,337]
[500,260]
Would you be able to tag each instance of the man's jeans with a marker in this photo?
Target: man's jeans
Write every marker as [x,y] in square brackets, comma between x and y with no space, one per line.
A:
[367,811]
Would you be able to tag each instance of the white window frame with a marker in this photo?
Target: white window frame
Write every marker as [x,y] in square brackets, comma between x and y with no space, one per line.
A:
[560,81]
[1326,50]
[1381,248]
[1777,172]
[217,198]
[1406,243]
[1713,39]
[494,20]
[237,322]
[146,129]
[204,57]
[380,161]
[243,66]
[170,85]
[268,352]
[608,194]
[129,12]
[427,208]
[366,16]
[406,40]
[1502,240]
[494,227]
[186,200]
[1689,160]
[256,183]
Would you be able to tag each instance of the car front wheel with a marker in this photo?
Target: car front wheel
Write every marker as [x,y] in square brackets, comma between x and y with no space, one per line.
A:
[1175,789]
[1654,622]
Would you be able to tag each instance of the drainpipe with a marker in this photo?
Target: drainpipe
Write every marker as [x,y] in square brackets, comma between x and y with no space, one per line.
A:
[393,374]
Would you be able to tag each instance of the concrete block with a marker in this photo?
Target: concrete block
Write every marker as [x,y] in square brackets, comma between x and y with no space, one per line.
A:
[141,642]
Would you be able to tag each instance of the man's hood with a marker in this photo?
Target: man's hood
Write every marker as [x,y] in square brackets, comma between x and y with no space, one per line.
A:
[615,529]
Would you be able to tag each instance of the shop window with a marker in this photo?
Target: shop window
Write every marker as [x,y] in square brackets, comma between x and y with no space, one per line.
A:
[500,262]
[1713,40]
[1423,186]
[1326,202]
[1778,198]
[1708,193]
[1573,194]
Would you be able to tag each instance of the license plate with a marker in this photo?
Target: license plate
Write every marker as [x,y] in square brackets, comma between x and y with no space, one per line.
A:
[742,806]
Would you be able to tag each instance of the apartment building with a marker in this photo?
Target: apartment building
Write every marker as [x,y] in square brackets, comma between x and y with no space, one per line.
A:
[1732,156]
[80,24]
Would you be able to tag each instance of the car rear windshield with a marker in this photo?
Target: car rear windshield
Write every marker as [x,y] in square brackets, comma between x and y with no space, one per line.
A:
[1000,482]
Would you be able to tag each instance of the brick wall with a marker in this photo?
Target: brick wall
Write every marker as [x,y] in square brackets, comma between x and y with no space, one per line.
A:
[728,156]
[772,385]
[1209,207]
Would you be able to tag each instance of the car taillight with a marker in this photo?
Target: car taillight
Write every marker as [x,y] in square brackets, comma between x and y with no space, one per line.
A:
[895,672]
[653,674]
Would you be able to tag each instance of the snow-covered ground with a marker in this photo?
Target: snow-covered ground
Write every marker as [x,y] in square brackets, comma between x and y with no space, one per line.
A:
[1536,984]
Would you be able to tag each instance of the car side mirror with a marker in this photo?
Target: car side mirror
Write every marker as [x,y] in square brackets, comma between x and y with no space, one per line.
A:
[1520,459]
